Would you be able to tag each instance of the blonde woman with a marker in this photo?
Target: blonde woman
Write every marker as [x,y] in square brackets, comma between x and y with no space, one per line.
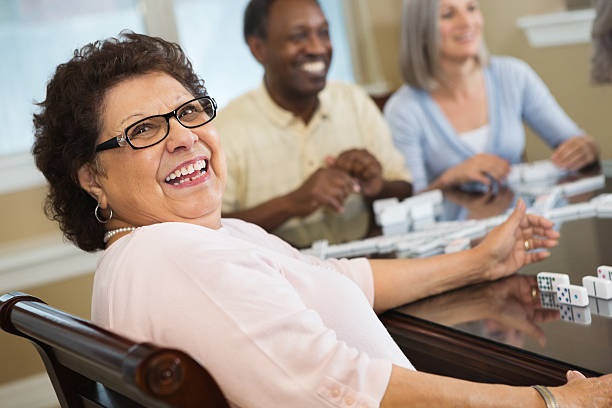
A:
[458,119]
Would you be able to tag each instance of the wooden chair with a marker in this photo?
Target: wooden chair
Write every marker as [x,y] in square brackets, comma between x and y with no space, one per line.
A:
[92,367]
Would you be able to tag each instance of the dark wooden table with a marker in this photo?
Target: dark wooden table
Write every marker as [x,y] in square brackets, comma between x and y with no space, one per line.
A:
[455,334]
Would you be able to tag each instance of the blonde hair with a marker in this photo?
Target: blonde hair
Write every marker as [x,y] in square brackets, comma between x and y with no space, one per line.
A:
[420,43]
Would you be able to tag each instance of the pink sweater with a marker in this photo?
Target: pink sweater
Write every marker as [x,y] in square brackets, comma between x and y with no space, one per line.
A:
[274,327]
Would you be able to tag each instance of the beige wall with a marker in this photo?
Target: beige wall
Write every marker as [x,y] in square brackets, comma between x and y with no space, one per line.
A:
[565,69]
[22,217]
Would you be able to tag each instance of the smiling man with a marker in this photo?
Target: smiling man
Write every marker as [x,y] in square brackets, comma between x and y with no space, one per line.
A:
[306,157]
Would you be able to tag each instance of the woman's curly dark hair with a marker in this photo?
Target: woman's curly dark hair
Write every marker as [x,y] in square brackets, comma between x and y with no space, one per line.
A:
[69,120]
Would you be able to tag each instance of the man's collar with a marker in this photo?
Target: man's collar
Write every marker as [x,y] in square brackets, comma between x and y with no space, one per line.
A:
[283,117]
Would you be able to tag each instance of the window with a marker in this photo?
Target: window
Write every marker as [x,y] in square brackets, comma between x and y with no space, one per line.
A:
[211,33]
[37,35]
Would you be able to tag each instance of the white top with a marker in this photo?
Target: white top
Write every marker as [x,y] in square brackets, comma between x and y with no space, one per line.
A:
[275,327]
[476,139]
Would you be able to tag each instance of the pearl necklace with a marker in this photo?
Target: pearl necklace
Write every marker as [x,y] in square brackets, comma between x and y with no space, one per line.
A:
[109,234]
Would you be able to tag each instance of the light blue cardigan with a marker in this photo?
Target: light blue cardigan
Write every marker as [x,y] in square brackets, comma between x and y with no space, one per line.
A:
[515,94]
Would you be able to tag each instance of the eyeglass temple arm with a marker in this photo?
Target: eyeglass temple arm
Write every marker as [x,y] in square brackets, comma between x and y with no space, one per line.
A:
[109,144]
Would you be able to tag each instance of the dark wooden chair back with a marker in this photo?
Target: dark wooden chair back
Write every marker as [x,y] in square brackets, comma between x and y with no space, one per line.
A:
[92,367]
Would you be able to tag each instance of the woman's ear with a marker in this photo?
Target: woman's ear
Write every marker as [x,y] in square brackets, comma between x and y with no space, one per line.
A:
[88,180]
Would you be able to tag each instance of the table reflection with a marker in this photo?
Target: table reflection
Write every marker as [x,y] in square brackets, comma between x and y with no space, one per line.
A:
[506,310]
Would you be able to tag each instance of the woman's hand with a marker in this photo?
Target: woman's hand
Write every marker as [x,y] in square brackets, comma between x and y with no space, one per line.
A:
[580,392]
[504,255]
[482,168]
[576,153]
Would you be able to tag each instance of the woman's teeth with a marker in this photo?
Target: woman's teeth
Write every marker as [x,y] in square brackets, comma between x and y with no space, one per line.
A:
[187,173]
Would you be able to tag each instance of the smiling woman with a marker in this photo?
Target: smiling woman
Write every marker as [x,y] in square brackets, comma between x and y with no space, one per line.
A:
[173,165]
[458,119]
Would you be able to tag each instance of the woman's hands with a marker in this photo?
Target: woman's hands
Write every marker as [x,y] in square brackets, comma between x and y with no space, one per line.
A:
[483,168]
[504,255]
[580,392]
[576,153]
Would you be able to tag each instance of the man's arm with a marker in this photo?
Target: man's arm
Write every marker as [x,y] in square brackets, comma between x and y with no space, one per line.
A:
[326,187]
[394,188]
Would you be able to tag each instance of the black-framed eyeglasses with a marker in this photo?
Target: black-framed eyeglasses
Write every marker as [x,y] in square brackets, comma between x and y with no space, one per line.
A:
[151,130]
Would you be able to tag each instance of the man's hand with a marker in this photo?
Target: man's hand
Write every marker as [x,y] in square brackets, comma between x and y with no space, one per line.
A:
[325,187]
[364,167]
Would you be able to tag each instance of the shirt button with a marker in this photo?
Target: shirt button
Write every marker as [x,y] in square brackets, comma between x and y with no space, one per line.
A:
[334,392]
[349,400]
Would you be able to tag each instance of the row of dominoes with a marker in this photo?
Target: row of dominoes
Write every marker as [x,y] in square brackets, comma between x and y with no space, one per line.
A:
[532,178]
[440,237]
[599,286]
[447,236]
[399,217]
[535,171]
[553,203]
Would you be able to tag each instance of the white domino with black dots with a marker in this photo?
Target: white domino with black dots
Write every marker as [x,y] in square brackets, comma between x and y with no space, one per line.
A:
[572,295]
[548,281]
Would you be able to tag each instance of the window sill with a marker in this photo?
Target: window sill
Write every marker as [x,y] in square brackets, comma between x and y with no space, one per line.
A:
[18,172]
[42,260]
[555,29]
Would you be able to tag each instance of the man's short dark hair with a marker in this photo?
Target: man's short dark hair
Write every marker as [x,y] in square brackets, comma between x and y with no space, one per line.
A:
[256,18]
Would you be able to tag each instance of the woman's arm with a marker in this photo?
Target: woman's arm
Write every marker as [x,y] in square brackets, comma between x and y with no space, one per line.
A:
[573,148]
[417,389]
[407,131]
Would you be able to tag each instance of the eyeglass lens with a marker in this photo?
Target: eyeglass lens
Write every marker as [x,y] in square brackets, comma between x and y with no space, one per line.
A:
[150,130]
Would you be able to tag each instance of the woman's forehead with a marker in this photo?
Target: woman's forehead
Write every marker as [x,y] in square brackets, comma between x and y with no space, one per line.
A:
[143,95]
